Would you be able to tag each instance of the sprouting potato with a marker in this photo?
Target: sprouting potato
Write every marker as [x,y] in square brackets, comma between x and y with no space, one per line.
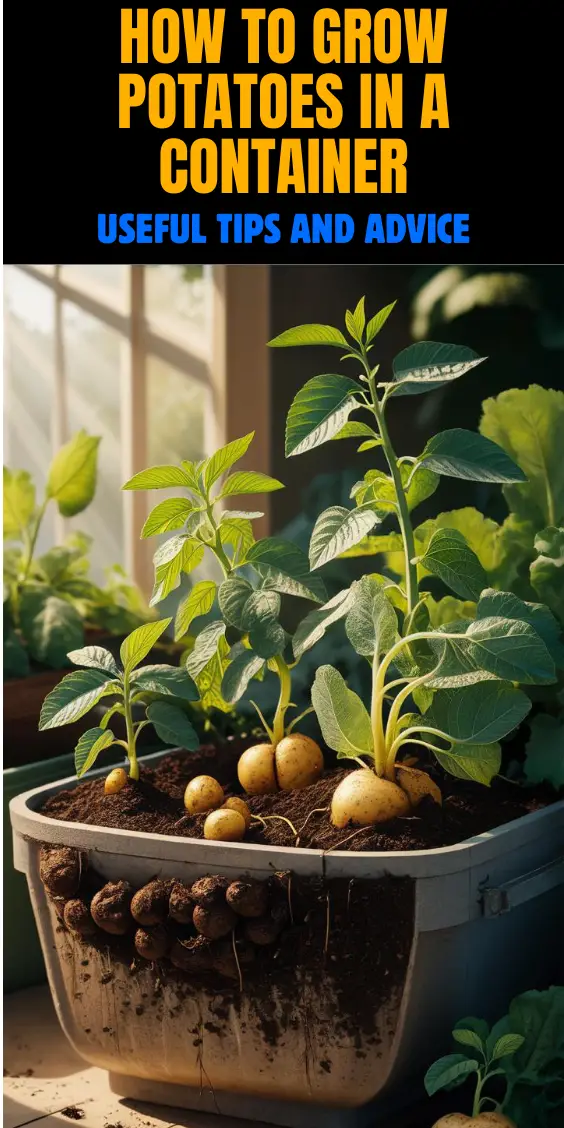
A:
[202,794]
[235,803]
[417,785]
[115,781]
[362,798]
[483,1120]
[225,826]
[256,770]
[298,761]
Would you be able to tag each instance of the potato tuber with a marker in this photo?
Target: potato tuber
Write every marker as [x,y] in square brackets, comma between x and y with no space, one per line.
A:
[77,918]
[298,762]
[203,794]
[180,903]
[110,907]
[417,785]
[215,922]
[256,770]
[262,931]
[235,803]
[150,904]
[152,943]
[209,891]
[483,1120]
[192,955]
[115,781]
[362,798]
[225,826]
[60,870]
[248,898]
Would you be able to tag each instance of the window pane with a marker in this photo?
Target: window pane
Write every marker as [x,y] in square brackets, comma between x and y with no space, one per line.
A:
[105,282]
[29,382]
[176,411]
[178,302]
[92,362]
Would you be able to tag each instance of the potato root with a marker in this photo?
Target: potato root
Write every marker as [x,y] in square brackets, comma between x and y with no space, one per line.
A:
[298,762]
[417,785]
[235,803]
[202,794]
[256,770]
[363,799]
[225,826]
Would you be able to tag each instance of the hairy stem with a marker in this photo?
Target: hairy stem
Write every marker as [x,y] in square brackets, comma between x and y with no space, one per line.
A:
[130,729]
[283,700]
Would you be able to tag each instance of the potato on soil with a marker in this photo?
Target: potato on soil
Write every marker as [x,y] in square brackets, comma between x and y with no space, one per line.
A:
[256,770]
[224,826]
[192,955]
[110,907]
[223,957]
[209,891]
[262,931]
[235,803]
[298,762]
[215,922]
[363,799]
[248,898]
[417,785]
[181,903]
[60,870]
[77,918]
[152,943]
[115,781]
[203,794]
[150,904]
[483,1120]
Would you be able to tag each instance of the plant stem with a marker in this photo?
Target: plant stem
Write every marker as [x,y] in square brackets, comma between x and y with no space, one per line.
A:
[404,518]
[283,700]
[376,717]
[130,729]
[33,541]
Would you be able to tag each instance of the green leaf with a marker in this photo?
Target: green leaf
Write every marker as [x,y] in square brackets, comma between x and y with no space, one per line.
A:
[478,1026]
[285,568]
[267,638]
[239,673]
[140,642]
[449,557]
[50,625]
[378,488]
[237,532]
[173,681]
[547,571]
[343,719]
[319,412]
[172,725]
[465,454]
[167,515]
[232,597]
[544,760]
[224,458]
[160,478]
[356,321]
[449,610]
[354,430]
[205,648]
[89,746]
[377,322]
[74,696]
[372,624]
[468,1038]
[210,677]
[19,501]
[539,1017]
[428,365]
[184,553]
[249,482]
[478,714]
[478,763]
[510,649]
[16,660]
[337,530]
[372,546]
[72,474]
[199,601]
[96,658]
[309,335]
[449,1072]
[529,424]
[506,605]
[506,1046]
[313,627]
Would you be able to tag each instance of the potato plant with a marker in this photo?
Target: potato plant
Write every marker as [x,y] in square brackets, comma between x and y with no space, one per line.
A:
[162,690]
[462,677]
[246,639]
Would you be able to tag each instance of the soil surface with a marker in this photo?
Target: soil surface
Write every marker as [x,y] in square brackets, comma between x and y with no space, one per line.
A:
[155,805]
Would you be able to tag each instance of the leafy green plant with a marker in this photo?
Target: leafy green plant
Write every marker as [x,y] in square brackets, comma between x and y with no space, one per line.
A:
[162,690]
[248,639]
[49,599]
[525,1050]
[461,674]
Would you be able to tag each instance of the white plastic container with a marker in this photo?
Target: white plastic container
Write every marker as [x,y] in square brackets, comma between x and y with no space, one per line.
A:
[486,926]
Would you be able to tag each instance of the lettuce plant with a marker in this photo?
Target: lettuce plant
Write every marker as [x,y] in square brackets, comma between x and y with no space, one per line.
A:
[162,691]
[462,675]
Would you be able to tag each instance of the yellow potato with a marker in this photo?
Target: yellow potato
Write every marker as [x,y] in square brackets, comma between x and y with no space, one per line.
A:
[485,1119]
[299,762]
[225,826]
[362,798]
[256,770]
[235,803]
[417,785]
[203,793]
[115,781]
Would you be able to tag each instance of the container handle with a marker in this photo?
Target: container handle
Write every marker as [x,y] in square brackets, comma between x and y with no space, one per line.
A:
[500,899]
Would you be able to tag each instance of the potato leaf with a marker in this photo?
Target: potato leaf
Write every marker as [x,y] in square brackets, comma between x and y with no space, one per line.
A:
[19,502]
[309,335]
[427,365]
[449,557]
[51,626]
[249,482]
[337,530]
[464,454]
[285,568]
[199,601]
[478,763]
[224,458]
[167,515]
[140,642]
[172,681]
[547,570]
[232,597]
[97,658]
[319,412]
[377,322]
[239,673]
[72,475]
[506,605]
[371,624]
[449,1072]
[343,719]
[356,321]
[172,725]
[74,696]
[89,746]
[378,488]
[205,648]
[259,618]
[313,627]
[478,714]
[356,430]
[160,478]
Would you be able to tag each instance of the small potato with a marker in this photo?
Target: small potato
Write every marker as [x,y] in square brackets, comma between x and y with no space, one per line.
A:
[262,931]
[192,955]
[362,798]
[110,907]
[298,761]
[225,826]
[181,904]
[485,1119]
[151,943]
[235,803]
[202,794]
[208,891]
[215,922]
[224,961]
[256,770]
[417,785]
[150,904]
[77,918]
[60,870]
[115,781]
[248,898]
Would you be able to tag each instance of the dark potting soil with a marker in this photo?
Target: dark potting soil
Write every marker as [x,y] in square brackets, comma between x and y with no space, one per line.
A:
[154,805]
